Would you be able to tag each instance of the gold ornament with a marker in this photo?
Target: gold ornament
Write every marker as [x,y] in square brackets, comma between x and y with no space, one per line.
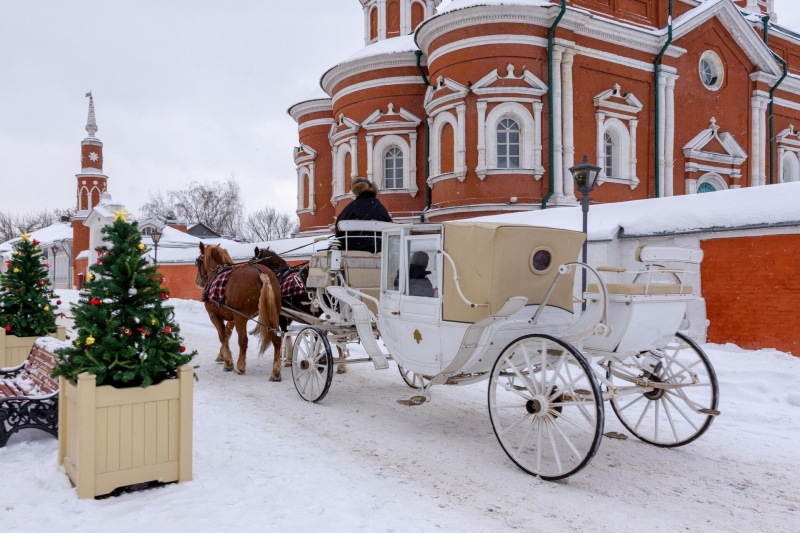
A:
[89,341]
[15,253]
[141,246]
[154,322]
[46,307]
[121,214]
[16,271]
[25,237]
[90,277]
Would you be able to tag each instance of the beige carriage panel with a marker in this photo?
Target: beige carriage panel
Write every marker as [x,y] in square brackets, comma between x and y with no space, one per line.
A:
[495,262]
[318,271]
[640,289]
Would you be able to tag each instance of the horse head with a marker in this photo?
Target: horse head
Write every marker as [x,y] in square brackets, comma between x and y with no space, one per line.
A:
[269,259]
[211,257]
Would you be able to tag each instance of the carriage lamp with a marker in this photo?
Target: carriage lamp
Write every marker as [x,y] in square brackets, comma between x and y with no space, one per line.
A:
[54,249]
[585,175]
[156,236]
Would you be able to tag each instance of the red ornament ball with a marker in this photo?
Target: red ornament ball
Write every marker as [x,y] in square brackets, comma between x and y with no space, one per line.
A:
[8,328]
[164,296]
[95,301]
[58,302]
[167,329]
[183,349]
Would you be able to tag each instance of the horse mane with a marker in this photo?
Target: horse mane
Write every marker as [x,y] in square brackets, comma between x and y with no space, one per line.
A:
[273,260]
[220,255]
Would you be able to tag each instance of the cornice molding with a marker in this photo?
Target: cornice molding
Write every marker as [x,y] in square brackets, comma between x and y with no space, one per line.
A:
[297,111]
[341,72]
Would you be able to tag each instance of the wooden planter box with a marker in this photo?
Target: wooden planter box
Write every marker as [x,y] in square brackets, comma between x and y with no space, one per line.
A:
[14,350]
[110,438]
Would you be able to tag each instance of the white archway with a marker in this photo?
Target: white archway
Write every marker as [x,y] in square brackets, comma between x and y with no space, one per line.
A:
[436,146]
[790,168]
[711,179]
[384,144]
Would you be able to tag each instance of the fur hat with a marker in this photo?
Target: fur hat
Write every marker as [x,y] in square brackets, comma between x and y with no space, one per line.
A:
[361,185]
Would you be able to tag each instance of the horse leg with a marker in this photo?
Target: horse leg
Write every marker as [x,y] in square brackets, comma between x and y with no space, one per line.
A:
[276,360]
[341,368]
[226,344]
[224,334]
[241,331]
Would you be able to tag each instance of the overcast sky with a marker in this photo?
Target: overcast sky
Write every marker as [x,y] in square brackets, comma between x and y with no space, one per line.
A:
[184,90]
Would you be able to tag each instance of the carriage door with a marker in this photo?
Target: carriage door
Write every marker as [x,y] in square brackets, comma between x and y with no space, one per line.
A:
[420,303]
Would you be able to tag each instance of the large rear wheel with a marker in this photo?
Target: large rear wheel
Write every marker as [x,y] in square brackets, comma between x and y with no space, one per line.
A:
[312,364]
[669,417]
[546,407]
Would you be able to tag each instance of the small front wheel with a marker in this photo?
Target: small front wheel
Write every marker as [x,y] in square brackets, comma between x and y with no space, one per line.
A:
[412,379]
[312,364]
[546,406]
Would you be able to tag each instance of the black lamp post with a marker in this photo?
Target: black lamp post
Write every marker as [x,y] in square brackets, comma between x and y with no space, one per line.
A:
[156,236]
[54,249]
[585,175]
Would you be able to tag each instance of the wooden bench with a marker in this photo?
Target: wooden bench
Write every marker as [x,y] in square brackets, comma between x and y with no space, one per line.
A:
[28,395]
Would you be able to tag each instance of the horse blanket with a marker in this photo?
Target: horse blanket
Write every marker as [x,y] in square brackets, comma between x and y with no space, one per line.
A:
[292,285]
[215,290]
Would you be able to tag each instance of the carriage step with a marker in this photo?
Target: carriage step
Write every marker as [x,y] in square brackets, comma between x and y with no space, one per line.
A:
[710,412]
[615,435]
[413,401]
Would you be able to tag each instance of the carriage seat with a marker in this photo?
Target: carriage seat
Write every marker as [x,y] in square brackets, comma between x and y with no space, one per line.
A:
[361,269]
[641,289]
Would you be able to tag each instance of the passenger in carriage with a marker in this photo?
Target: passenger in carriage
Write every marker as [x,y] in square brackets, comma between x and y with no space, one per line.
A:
[418,282]
[366,206]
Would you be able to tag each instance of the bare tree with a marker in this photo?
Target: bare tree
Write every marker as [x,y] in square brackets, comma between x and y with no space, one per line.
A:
[266,224]
[217,204]
[13,225]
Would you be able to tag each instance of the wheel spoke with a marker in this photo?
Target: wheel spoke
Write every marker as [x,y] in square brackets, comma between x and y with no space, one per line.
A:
[564,436]
[640,397]
[544,363]
[539,445]
[525,438]
[682,413]
[669,417]
[557,373]
[568,421]
[644,412]
[515,424]
[553,444]
[657,418]
[531,382]
[531,389]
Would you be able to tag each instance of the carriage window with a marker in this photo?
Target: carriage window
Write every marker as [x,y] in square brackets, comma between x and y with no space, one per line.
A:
[423,273]
[392,250]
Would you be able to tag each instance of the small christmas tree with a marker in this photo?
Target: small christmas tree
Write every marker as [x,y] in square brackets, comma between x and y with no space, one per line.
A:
[25,308]
[126,336]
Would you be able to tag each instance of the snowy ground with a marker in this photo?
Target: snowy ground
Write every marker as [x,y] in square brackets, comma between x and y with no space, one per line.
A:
[264,460]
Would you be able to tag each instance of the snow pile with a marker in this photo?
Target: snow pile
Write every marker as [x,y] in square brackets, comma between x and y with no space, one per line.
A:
[264,460]
[736,208]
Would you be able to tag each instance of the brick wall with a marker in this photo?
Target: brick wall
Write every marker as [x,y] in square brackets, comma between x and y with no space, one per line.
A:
[180,280]
[752,289]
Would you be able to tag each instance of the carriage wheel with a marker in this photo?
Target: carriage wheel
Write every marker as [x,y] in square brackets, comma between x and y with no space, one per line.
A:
[412,379]
[312,364]
[546,406]
[672,417]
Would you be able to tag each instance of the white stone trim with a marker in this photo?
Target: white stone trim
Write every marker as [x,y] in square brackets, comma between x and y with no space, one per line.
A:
[713,178]
[439,123]
[322,105]
[317,122]
[340,181]
[306,171]
[487,136]
[568,121]
[373,84]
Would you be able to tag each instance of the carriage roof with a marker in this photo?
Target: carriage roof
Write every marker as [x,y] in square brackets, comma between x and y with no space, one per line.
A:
[495,262]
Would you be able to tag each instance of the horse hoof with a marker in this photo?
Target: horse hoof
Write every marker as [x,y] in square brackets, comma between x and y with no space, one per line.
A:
[287,364]
[219,360]
[241,372]
[273,378]
[341,369]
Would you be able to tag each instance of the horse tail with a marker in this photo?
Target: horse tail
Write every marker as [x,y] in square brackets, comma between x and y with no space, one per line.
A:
[269,310]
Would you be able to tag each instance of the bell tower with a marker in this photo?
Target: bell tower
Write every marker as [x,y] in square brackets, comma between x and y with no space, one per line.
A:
[91,180]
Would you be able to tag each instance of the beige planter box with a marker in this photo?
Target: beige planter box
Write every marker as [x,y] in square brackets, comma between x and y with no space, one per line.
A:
[110,438]
[14,350]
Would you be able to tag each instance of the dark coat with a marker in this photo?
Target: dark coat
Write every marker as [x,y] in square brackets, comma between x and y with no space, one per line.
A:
[366,206]
[419,284]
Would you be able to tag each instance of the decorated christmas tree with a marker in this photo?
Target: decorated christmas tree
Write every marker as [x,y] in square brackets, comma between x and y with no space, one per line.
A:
[126,336]
[25,308]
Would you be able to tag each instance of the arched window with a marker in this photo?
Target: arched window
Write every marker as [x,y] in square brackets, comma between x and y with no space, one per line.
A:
[417,15]
[447,145]
[373,24]
[393,18]
[608,144]
[95,197]
[711,182]
[508,143]
[706,187]
[84,199]
[791,168]
[616,150]
[393,168]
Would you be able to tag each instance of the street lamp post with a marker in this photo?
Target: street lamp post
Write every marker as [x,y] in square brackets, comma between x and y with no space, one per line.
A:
[585,175]
[54,249]
[156,236]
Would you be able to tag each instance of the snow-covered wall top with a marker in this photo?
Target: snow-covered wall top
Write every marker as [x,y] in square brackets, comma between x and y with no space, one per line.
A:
[736,208]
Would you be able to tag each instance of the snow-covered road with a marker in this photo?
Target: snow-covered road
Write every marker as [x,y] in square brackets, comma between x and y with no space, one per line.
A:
[264,460]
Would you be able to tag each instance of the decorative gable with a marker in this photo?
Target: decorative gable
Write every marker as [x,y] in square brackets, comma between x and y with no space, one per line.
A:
[342,129]
[614,100]
[527,84]
[391,119]
[714,147]
[445,90]
[304,154]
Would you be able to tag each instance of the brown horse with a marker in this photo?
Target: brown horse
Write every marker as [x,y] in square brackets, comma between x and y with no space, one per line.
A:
[252,290]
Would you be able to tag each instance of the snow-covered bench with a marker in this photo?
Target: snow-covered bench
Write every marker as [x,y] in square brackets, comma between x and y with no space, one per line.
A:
[28,395]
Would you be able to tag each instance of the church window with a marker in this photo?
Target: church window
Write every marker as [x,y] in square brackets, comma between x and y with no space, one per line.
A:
[791,168]
[609,155]
[393,168]
[417,15]
[393,19]
[711,70]
[508,144]
[373,24]
[706,187]
[616,154]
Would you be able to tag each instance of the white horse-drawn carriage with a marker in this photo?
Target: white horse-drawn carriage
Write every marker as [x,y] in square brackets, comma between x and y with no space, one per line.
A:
[463,302]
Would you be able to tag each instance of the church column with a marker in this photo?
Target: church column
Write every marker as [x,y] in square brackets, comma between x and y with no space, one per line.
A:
[569,124]
[412,170]
[781,153]
[662,130]
[669,137]
[557,164]
[481,170]
[461,142]
[755,128]
[353,161]
[537,140]
[300,188]
[370,162]
[762,139]
[312,178]
[633,160]
[381,19]
[366,25]
[601,146]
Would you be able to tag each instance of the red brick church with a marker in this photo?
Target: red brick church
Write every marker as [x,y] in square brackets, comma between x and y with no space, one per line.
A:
[462,108]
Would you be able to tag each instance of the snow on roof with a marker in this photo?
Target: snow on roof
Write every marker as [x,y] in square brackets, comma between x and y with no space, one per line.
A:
[298,248]
[453,5]
[736,208]
[316,94]
[395,45]
[56,232]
